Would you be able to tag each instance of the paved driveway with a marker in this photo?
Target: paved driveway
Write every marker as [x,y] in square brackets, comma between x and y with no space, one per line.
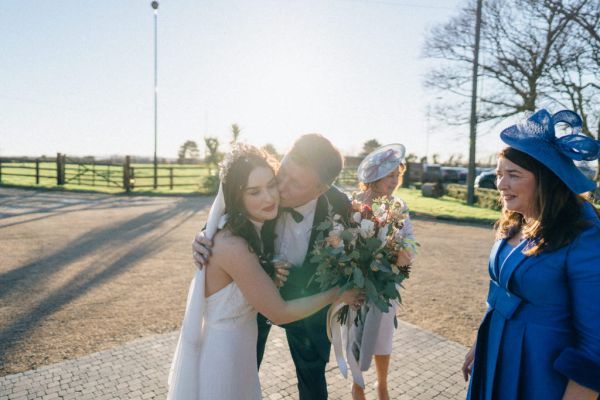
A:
[88,273]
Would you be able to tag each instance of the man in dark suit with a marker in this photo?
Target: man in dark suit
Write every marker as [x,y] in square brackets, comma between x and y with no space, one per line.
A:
[307,197]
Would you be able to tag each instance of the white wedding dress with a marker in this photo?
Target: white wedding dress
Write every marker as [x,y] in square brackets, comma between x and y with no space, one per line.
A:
[227,365]
[215,357]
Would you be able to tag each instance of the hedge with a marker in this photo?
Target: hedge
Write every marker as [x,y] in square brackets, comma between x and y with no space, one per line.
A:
[487,198]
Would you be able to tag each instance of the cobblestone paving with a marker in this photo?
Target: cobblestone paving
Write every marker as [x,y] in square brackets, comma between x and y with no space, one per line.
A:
[424,366]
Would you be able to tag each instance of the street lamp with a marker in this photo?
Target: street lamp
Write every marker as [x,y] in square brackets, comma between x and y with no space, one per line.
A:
[154,5]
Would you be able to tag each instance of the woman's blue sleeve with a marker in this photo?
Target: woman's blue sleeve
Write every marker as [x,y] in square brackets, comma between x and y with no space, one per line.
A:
[581,362]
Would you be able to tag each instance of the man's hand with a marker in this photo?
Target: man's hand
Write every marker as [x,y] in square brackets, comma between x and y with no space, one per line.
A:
[201,250]
[281,276]
[282,269]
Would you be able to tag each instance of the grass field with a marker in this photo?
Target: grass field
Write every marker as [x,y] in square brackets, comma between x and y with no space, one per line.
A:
[108,178]
[446,207]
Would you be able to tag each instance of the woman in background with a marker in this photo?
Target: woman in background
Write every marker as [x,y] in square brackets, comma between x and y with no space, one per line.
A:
[380,174]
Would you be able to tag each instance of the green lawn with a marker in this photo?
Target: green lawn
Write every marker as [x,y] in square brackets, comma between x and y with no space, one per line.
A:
[108,179]
[446,207]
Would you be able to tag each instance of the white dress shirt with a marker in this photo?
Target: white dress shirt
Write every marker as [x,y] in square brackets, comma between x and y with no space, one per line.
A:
[293,237]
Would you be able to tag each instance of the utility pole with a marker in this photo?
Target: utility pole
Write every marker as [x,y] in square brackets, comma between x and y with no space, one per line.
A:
[473,130]
[154,5]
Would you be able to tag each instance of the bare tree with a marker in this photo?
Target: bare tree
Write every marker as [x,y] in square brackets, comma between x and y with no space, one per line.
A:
[586,14]
[533,53]
[518,39]
[576,75]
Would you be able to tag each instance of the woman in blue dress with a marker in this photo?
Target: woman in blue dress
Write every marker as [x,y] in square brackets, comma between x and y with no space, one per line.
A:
[540,338]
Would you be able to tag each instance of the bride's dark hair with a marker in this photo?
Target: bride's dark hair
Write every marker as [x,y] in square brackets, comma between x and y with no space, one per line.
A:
[235,170]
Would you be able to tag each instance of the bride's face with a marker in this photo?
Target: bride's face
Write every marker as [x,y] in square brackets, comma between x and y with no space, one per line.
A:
[261,197]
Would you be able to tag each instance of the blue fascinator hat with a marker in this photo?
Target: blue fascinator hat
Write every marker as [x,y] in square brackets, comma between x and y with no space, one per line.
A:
[380,163]
[536,137]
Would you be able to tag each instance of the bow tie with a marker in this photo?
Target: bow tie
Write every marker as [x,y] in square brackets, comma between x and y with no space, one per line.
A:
[295,214]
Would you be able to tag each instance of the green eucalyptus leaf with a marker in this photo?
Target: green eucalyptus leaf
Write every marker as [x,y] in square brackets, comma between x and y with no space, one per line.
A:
[371,290]
[323,226]
[346,236]
[359,279]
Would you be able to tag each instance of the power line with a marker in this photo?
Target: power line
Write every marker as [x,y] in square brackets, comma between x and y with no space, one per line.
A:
[397,4]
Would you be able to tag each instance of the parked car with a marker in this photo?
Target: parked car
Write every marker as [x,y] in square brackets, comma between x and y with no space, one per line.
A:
[486,180]
[432,173]
[454,174]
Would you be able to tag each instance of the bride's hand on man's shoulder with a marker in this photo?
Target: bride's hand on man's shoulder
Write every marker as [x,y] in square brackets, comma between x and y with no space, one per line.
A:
[201,250]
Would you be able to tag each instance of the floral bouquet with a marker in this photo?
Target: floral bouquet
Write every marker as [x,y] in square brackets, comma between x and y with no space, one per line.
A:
[369,250]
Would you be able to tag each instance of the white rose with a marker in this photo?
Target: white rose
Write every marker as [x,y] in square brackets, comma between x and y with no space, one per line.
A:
[380,212]
[334,239]
[367,228]
[357,217]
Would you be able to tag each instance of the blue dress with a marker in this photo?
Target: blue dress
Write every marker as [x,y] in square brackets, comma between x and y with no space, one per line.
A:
[542,327]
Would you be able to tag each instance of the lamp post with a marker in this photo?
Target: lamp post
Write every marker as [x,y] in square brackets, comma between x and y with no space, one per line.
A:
[154,5]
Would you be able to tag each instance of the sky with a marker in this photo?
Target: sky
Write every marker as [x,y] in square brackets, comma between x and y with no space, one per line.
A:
[78,75]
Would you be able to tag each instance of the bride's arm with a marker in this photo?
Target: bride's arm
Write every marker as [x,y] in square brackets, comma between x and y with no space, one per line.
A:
[233,256]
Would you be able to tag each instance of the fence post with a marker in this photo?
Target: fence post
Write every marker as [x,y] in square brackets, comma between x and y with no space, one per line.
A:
[37,171]
[171,178]
[63,168]
[59,169]
[126,176]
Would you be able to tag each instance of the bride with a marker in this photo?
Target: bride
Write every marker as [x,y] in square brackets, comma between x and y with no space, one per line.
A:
[216,354]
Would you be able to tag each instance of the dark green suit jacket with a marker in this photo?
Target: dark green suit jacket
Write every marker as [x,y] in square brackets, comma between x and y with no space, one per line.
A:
[297,285]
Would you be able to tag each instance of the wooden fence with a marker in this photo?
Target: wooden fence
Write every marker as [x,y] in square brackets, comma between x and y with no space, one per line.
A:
[128,176]
[125,175]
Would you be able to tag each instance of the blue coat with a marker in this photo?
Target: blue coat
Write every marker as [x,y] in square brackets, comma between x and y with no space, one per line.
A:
[542,327]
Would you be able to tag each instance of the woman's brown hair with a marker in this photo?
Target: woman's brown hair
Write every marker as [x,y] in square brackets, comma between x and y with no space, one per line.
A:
[236,170]
[558,209]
